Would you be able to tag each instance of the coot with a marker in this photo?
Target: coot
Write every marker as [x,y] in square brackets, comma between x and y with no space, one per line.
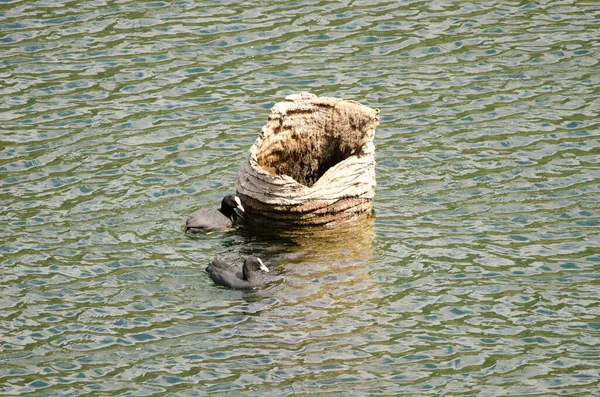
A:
[226,275]
[206,219]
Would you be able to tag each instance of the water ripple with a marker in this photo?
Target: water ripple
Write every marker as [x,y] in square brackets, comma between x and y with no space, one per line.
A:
[477,276]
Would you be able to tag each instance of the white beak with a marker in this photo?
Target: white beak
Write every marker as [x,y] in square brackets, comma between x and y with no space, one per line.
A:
[262,266]
[239,204]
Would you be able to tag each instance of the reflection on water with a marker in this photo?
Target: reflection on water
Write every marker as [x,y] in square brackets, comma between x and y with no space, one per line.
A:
[308,261]
[477,277]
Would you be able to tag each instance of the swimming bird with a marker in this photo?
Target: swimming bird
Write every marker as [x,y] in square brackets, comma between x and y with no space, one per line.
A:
[226,275]
[206,219]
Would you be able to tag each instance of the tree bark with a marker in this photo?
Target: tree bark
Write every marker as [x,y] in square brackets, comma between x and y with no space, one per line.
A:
[313,164]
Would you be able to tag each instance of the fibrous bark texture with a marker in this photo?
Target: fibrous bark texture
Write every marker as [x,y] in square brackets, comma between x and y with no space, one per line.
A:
[313,164]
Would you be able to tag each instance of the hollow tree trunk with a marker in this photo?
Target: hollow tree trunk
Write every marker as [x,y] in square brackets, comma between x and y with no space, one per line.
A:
[313,164]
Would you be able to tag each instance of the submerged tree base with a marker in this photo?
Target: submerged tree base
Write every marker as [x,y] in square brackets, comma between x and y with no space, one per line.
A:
[313,163]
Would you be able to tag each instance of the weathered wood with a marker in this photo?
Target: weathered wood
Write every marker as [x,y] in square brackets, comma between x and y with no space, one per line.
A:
[313,164]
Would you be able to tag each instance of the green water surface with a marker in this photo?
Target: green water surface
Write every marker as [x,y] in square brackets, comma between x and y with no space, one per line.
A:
[479,275]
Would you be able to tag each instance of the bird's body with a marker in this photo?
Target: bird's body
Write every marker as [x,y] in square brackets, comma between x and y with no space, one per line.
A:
[222,273]
[208,219]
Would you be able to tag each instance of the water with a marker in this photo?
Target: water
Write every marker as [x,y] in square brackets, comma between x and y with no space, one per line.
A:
[479,275]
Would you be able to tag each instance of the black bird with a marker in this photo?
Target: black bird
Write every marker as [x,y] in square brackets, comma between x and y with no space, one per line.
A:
[206,219]
[226,275]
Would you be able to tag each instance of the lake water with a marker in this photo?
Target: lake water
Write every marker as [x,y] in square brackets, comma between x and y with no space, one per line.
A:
[479,275]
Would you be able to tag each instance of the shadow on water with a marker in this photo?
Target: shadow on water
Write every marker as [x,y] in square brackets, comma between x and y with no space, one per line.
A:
[302,260]
[351,241]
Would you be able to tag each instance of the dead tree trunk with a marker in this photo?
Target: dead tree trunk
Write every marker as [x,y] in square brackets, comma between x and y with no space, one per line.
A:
[313,164]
